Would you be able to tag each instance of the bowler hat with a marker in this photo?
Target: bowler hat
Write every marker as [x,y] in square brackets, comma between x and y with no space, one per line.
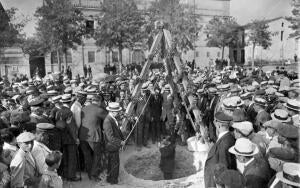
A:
[281,153]
[222,117]
[238,115]
[288,131]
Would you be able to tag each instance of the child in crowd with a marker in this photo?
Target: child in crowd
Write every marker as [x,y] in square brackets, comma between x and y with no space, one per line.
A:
[50,178]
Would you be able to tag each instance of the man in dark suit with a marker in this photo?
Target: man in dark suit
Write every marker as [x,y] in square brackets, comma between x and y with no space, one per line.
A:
[156,109]
[69,130]
[218,153]
[91,138]
[256,170]
[143,115]
[114,141]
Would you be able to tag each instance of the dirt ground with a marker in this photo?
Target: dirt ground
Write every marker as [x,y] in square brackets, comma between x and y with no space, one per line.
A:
[149,170]
[145,165]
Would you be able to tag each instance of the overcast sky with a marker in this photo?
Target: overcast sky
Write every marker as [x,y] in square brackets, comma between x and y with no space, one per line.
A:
[246,10]
[243,10]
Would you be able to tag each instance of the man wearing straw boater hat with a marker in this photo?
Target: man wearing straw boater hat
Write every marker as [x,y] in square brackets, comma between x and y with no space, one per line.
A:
[256,170]
[114,141]
[66,123]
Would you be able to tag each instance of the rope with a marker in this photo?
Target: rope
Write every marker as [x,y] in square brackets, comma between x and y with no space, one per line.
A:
[135,124]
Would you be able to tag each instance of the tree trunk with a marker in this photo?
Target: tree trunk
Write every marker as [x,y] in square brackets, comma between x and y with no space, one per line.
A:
[58,61]
[66,61]
[120,59]
[223,47]
[253,48]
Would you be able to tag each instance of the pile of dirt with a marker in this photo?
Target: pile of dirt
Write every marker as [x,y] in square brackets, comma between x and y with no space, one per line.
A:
[145,165]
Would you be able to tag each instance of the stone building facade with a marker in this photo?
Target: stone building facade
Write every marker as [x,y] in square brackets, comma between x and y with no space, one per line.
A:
[283,47]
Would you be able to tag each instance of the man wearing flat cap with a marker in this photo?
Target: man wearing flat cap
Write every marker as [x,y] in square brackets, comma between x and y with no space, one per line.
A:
[24,172]
[219,151]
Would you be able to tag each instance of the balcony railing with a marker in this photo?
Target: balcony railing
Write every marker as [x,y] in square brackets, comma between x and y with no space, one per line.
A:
[93,4]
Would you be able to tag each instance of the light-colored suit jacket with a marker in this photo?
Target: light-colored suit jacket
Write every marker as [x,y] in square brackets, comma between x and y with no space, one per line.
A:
[22,167]
[39,153]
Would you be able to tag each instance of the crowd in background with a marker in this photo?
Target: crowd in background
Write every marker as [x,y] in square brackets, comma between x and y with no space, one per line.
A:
[58,125]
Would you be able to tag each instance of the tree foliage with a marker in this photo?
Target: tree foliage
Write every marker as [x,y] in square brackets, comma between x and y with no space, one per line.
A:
[259,35]
[221,32]
[295,19]
[33,46]
[10,28]
[178,18]
[119,25]
[60,25]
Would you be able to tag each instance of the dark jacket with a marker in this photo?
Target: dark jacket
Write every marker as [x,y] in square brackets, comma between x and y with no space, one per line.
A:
[219,154]
[257,173]
[156,106]
[91,123]
[113,135]
[70,130]
[167,159]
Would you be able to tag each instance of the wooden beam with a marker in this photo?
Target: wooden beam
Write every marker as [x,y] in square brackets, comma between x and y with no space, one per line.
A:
[143,76]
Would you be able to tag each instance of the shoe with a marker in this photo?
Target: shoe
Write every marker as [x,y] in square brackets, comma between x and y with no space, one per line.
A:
[74,179]
[96,179]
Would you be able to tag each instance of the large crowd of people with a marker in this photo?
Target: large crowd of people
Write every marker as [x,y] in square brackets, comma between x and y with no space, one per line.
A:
[55,126]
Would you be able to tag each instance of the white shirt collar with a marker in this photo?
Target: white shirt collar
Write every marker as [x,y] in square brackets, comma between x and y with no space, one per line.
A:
[222,134]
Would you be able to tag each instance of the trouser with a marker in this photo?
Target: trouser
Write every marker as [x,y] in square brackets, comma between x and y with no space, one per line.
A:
[94,158]
[212,132]
[156,129]
[168,175]
[69,160]
[113,167]
[141,132]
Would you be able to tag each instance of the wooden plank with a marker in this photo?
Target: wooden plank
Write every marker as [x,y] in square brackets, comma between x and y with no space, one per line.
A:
[143,76]
[185,81]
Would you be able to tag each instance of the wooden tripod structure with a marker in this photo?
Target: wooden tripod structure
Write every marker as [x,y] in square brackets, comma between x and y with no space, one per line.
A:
[164,37]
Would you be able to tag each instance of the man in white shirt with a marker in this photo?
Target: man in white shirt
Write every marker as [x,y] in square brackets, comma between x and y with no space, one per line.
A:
[77,106]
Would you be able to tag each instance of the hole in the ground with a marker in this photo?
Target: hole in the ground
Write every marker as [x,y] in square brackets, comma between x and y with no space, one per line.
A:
[145,165]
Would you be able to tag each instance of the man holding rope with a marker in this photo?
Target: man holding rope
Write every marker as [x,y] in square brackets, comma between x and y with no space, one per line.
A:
[114,141]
